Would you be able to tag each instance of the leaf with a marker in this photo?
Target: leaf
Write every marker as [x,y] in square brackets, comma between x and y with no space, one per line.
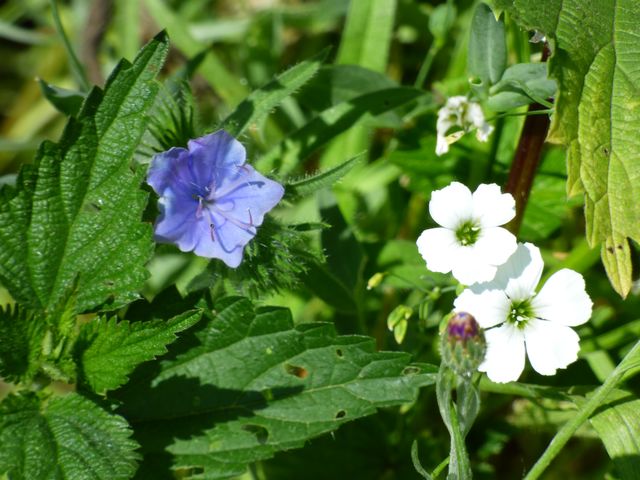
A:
[618,426]
[249,384]
[262,101]
[63,438]
[597,113]
[487,47]
[321,180]
[367,34]
[330,123]
[77,210]
[108,351]
[521,84]
[21,333]
[65,101]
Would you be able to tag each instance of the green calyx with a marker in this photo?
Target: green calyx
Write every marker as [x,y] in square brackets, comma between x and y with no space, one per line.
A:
[468,233]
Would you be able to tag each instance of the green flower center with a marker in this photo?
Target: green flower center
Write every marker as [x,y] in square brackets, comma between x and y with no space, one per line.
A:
[520,313]
[468,233]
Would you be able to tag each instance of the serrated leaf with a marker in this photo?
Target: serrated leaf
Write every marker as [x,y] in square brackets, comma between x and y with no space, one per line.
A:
[63,438]
[77,211]
[320,180]
[330,123]
[487,47]
[249,384]
[21,333]
[65,101]
[618,426]
[262,101]
[108,351]
[597,113]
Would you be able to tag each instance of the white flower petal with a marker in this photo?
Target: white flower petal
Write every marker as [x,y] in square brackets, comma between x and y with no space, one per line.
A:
[470,267]
[550,346]
[483,132]
[492,207]
[442,146]
[520,275]
[495,245]
[451,206]
[439,248]
[563,299]
[504,360]
[489,307]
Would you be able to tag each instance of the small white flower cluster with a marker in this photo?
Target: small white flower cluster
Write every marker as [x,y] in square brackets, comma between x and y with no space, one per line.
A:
[502,276]
[460,112]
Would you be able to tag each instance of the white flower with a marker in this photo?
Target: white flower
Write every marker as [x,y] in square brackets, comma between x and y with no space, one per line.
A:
[520,319]
[459,112]
[470,242]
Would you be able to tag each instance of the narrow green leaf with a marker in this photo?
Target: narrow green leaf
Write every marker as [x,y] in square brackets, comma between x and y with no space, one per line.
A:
[65,101]
[487,47]
[77,210]
[367,34]
[320,180]
[108,351]
[330,123]
[249,384]
[63,438]
[618,426]
[262,101]
[594,54]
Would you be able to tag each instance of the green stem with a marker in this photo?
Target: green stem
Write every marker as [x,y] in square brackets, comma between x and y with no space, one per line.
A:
[76,66]
[585,411]
[426,64]
[495,144]
[438,470]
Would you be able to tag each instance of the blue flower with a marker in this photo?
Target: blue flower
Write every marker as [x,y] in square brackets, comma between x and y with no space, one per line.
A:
[210,201]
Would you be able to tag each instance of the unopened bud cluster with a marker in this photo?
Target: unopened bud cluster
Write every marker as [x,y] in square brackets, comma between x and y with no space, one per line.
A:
[462,344]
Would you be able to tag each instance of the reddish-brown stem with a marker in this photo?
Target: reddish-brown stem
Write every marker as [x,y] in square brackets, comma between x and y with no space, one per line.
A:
[527,159]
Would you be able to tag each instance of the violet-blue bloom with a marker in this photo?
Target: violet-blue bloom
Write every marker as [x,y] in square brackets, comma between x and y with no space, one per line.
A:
[210,201]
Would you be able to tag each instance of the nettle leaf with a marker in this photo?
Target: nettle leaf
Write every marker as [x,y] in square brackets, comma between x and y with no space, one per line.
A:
[21,333]
[108,351]
[64,100]
[249,384]
[67,437]
[77,210]
[597,116]
[321,180]
[618,426]
[262,101]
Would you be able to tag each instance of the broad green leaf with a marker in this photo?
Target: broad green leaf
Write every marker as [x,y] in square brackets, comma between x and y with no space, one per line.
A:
[262,101]
[597,113]
[63,438]
[108,351]
[249,384]
[618,425]
[330,123]
[76,212]
[65,101]
[21,333]
[521,84]
[487,56]
[321,180]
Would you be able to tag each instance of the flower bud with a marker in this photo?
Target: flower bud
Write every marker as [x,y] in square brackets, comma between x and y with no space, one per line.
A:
[462,344]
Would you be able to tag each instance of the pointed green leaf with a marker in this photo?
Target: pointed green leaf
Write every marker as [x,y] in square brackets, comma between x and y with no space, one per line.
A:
[262,101]
[77,210]
[618,426]
[108,351]
[21,333]
[597,115]
[249,384]
[63,438]
[65,101]
[324,179]
[487,47]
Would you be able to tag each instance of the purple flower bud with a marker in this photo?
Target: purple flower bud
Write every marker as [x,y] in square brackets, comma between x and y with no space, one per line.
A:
[211,202]
[463,345]
[462,327]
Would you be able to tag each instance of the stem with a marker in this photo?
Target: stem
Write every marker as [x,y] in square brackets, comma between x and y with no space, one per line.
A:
[527,158]
[426,64]
[76,67]
[585,411]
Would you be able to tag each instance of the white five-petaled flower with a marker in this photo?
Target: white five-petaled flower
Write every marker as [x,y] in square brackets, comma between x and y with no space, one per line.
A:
[460,112]
[470,242]
[518,319]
